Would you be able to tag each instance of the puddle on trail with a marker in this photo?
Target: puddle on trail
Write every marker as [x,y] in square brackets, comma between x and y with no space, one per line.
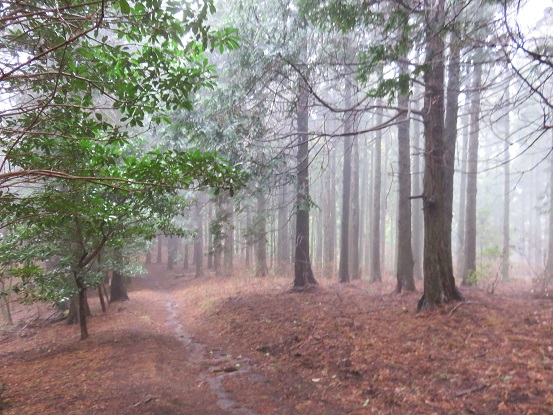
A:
[197,351]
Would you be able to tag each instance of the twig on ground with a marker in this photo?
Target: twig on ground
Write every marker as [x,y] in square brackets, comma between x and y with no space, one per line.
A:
[471,390]
[459,305]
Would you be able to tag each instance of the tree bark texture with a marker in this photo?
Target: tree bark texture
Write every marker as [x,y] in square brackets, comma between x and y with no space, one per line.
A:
[261,269]
[469,270]
[118,290]
[505,262]
[439,283]
[303,274]
[375,271]
[404,276]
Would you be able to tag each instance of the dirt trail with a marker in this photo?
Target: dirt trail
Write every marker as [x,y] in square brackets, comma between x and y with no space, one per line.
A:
[141,359]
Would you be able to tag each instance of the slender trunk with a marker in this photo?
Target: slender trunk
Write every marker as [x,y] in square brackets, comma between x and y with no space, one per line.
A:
[198,244]
[159,245]
[462,199]
[343,272]
[549,263]
[82,304]
[404,276]
[283,241]
[210,248]
[101,297]
[261,237]
[375,272]
[248,241]
[330,216]
[469,276]
[354,267]
[171,252]
[303,274]
[418,231]
[506,199]
[439,283]
[186,253]
[229,238]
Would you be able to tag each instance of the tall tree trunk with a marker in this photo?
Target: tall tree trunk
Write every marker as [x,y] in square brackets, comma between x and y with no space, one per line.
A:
[248,241]
[330,216]
[506,191]
[198,243]
[186,253]
[462,197]
[451,117]
[303,274]
[118,290]
[283,239]
[418,231]
[172,248]
[354,246]
[210,248]
[261,237]
[404,276]
[229,237]
[439,283]
[549,263]
[343,272]
[159,247]
[375,272]
[470,226]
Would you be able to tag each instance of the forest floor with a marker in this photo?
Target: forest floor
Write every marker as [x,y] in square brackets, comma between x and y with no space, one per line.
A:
[250,346]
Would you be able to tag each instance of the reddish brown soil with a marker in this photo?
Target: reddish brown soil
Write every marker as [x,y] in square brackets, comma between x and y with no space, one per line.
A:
[245,346]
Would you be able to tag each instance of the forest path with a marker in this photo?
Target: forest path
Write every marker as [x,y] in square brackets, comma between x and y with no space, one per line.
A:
[141,359]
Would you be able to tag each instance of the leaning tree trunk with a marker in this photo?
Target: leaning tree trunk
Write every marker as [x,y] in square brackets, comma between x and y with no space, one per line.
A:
[303,274]
[404,276]
[439,283]
[470,226]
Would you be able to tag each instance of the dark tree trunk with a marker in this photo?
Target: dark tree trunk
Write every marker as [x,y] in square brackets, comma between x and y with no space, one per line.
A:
[83,305]
[469,277]
[303,274]
[439,283]
[261,237]
[101,297]
[404,276]
[118,290]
